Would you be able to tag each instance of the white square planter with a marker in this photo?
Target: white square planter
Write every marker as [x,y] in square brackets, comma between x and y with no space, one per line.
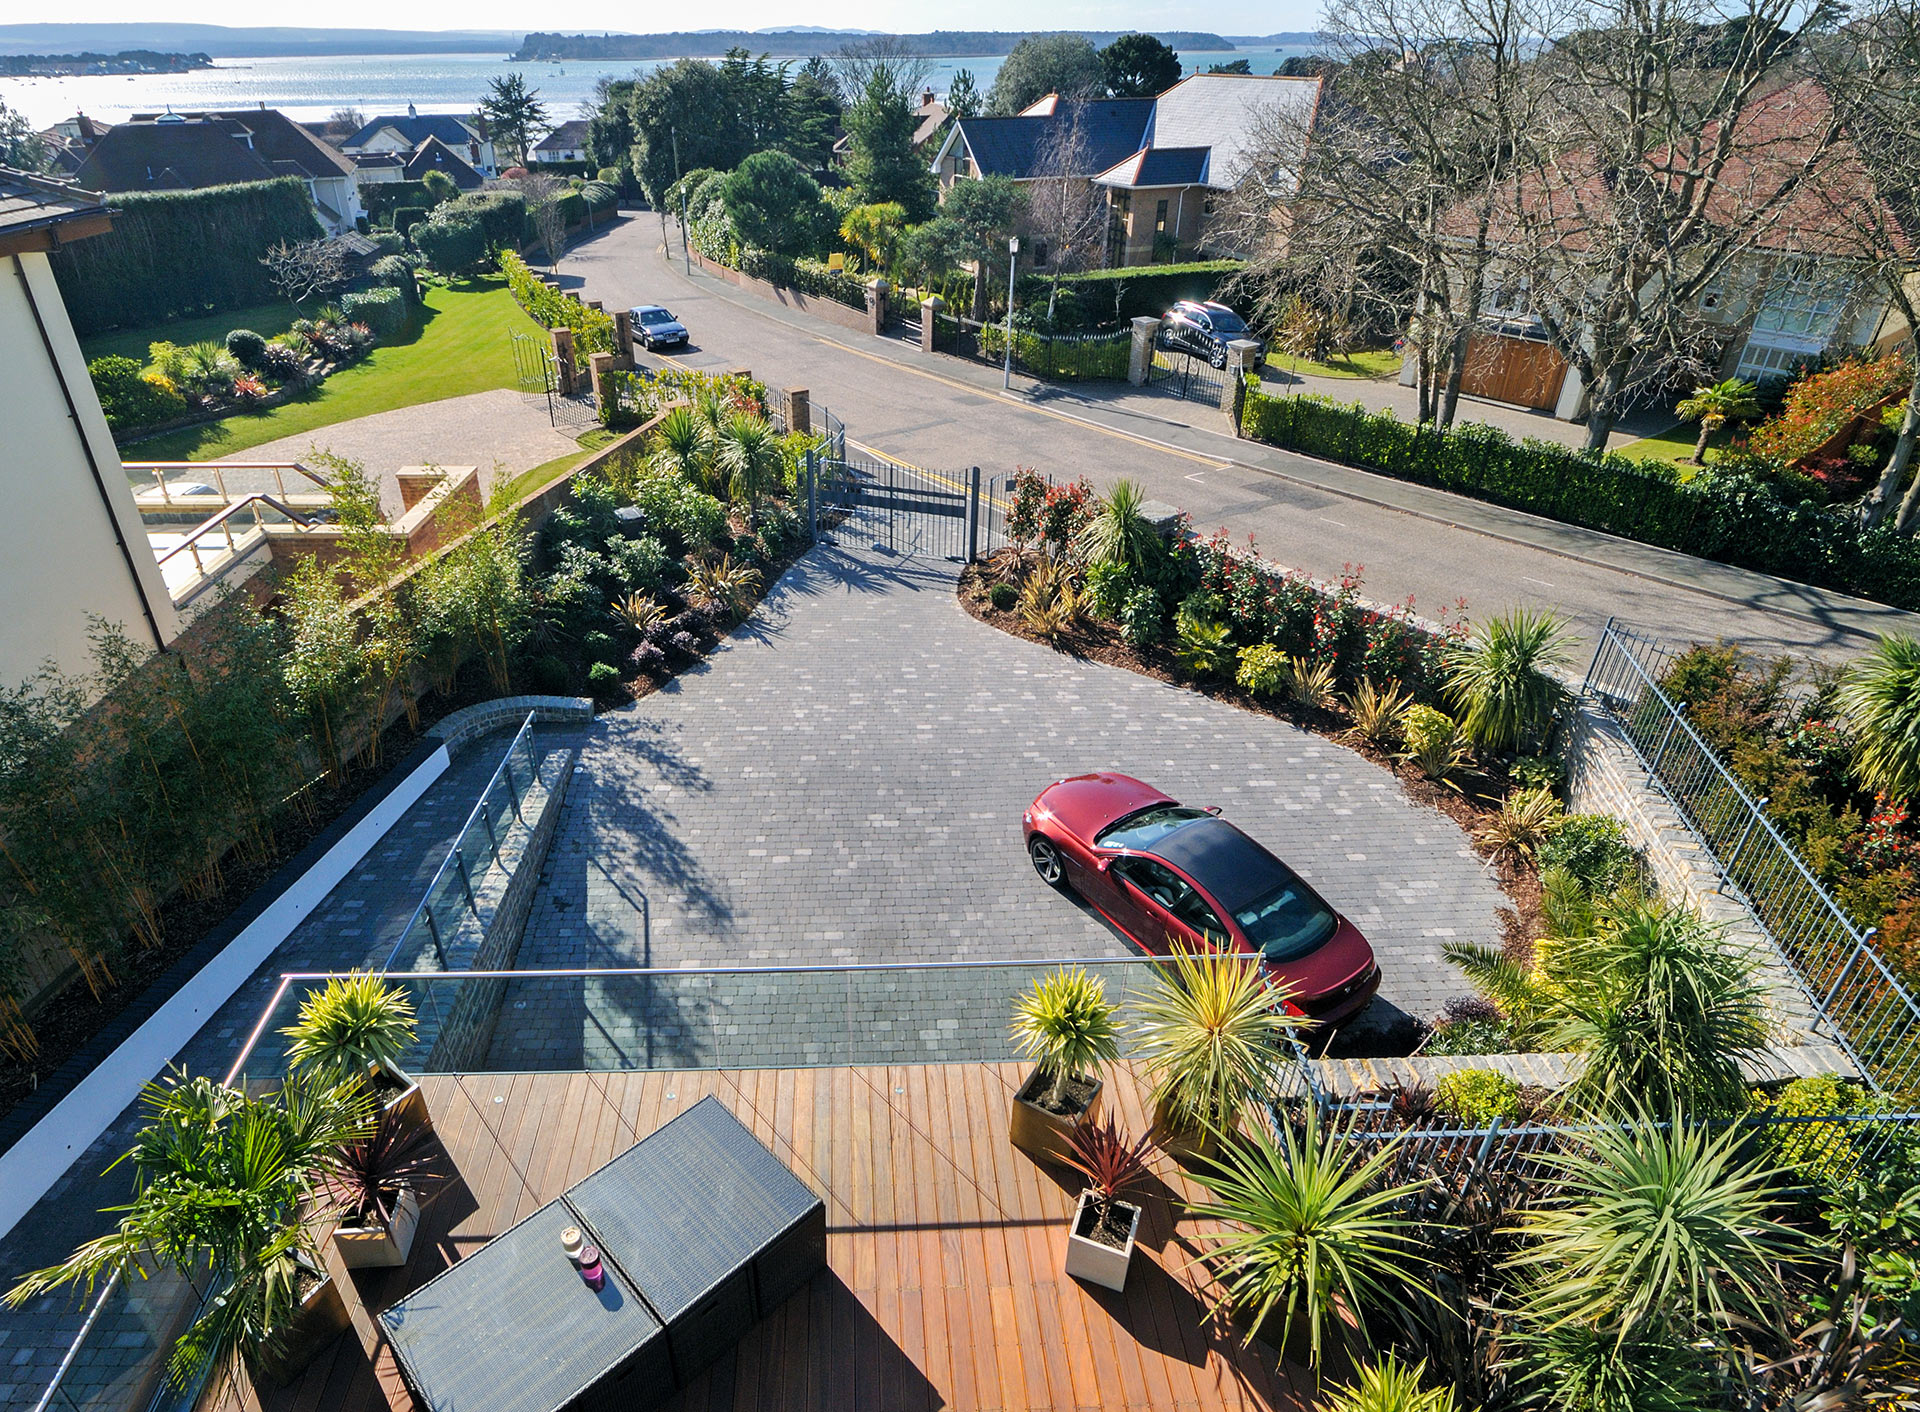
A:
[1092,1260]
[380,1247]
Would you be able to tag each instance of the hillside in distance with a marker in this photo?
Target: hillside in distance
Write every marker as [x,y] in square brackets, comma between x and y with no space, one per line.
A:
[803,43]
[228,42]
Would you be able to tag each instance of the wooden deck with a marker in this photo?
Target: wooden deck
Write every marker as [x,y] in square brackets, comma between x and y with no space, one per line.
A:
[945,1247]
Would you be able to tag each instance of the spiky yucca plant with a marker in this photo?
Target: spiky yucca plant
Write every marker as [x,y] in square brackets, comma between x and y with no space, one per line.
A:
[725,587]
[1316,1231]
[1066,1026]
[1049,604]
[748,453]
[1527,819]
[1206,1031]
[1498,679]
[683,446]
[641,613]
[1376,710]
[1311,683]
[1880,697]
[1658,1228]
[1389,1386]
[1117,533]
[352,1024]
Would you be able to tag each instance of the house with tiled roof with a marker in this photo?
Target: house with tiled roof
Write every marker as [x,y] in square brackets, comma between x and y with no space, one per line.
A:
[1799,288]
[403,134]
[187,151]
[433,155]
[566,143]
[1162,163]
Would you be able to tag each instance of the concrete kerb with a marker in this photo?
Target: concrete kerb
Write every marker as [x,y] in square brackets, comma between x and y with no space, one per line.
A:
[1403,496]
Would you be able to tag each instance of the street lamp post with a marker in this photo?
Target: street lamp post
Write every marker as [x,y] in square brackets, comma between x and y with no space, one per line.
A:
[686,253]
[1013,262]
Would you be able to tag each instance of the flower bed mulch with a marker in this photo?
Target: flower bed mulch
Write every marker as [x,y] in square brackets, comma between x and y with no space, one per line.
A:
[1471,806]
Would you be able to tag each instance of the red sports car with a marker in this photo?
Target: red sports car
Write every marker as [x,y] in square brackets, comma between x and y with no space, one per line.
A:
[1168,875]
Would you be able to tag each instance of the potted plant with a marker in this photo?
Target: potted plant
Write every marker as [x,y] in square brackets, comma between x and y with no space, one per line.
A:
[356,1029]
[374,1184]
[1065,1025]
[222,1185]
[1100,1241]
[1206,1033]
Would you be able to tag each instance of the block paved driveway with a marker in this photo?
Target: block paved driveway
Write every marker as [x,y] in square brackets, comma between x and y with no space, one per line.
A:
[842,781]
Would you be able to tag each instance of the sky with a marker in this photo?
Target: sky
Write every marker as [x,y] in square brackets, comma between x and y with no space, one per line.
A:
[1231,16]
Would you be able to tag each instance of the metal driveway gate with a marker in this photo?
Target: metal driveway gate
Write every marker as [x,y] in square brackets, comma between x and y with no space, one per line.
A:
[902,509]
[1182,374]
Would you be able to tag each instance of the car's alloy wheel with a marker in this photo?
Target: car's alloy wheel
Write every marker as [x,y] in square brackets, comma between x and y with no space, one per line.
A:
[1047,862]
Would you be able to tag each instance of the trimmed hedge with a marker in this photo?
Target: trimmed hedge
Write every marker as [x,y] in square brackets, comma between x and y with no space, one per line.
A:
[502,216]
[593,329]
[384,310]
[406,218]
[397,272]
[175,254]
[384,198]
[1145,290]
[454,243]
[811,277]
[1728,516]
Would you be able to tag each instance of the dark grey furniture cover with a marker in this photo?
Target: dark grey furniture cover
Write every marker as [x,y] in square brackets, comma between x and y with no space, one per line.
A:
[513,1328]
[708,1225]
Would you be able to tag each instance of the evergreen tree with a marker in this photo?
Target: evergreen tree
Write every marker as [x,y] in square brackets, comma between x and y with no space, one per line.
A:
[610,131]
[689,100]
[813,114]
[1140,66]
[883,165]
[963,95]
[1040,64]
[514,112]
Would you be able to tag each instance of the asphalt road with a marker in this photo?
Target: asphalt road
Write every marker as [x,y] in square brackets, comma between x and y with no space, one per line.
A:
[946,414]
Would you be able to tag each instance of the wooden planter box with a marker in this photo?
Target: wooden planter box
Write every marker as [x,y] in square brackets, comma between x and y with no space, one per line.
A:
[1095,1261]
[1047,1135]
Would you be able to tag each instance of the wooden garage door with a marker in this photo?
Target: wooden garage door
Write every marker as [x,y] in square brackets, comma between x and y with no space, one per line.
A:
[1516,370]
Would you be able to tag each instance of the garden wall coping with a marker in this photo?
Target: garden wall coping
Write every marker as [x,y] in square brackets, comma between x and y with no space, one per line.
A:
[472,722]
[1344,1078]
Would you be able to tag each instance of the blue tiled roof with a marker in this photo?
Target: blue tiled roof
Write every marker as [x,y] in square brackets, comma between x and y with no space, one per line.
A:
[1161,166]
[416,130]
[1114,128]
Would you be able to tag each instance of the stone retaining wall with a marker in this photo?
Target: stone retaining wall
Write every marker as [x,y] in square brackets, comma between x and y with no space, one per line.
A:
[1605,776]
[469,723]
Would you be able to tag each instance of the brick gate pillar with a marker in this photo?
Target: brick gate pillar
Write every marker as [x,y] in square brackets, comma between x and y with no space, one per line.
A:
[797,408]
[877,306]
[598,366]
[623,341]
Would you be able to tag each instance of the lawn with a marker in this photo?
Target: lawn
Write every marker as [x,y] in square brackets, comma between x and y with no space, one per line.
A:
[1673,446]
[462,348]
[1366,363]
[264,319]
[547,472]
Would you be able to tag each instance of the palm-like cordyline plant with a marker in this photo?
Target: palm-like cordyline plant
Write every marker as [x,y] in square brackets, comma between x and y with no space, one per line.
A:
[1118,533]
[683,446]
[749,454]
[219,1182]
[1112,1163]
[1713,405]
[1498,679]
[1880,697]
[1065,1025]
[1389,1386]
[354,1024]
[1661,1230]
[1207,1031]
[1666,1008]
[1317,1233]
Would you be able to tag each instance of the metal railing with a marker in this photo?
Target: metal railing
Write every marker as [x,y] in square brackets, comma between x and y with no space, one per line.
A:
[1857,999]
[140,473]
[222,524]
[495,822]
[1051,357]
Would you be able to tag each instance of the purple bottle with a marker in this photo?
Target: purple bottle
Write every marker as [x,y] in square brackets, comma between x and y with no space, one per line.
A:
[591,1270]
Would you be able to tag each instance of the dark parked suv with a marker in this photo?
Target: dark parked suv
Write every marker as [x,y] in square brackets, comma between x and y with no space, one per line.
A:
[1204,330]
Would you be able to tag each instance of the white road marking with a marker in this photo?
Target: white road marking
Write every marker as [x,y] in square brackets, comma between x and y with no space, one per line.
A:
[1325,521]
[1531,579]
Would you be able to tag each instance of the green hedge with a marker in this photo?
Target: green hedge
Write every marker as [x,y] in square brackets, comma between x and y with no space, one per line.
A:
[811,277]
[502,216]
[405,218]
[1145,290]
[1724,515]
[384,198]
[593,329]
[573,207]
[383,310]
[397,272]
[174,254]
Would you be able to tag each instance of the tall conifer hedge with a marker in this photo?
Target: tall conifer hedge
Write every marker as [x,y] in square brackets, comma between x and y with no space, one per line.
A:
[179,253]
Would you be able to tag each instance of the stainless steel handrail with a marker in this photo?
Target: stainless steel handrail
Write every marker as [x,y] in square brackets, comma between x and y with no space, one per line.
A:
[217,469]
[219,521]
[453,852]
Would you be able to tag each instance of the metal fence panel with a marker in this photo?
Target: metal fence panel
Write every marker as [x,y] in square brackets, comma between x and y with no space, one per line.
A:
[1858,999]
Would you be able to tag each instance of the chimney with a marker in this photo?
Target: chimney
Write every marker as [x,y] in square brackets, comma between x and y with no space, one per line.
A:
[926,96]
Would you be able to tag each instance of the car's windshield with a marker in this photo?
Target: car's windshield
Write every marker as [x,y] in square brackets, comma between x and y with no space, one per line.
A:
[655,316]
[1225,322]
[1286,920]
[1145,827]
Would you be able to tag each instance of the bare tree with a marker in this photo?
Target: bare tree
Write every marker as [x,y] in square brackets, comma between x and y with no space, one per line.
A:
[1876,178]
[1065,210]
[543,195]
[306,269]
[889,59]
[1665,160]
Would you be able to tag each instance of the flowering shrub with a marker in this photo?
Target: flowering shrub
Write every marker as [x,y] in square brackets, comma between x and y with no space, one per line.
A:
[1048,515]
[1819,406]
[248,388]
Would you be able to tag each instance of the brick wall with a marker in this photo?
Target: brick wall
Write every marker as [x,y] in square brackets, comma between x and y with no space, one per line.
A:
[832,310]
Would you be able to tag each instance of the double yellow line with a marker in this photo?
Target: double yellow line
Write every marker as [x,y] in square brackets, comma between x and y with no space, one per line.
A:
[942,477]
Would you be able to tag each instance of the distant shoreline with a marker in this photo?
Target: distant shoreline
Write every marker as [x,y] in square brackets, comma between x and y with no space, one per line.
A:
[127,61]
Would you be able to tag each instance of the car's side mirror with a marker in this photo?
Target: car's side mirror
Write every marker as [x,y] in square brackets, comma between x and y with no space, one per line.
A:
[1103,864]
[1213,809]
